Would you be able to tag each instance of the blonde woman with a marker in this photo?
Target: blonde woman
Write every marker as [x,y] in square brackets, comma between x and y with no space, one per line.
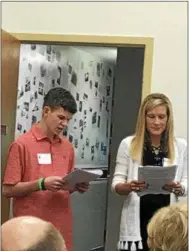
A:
[168,229]
[153,144]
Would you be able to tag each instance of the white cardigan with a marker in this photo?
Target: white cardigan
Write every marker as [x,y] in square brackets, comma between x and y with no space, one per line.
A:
[127,170]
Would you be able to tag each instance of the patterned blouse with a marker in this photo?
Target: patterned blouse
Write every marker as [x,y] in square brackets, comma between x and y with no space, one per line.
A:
[153,156]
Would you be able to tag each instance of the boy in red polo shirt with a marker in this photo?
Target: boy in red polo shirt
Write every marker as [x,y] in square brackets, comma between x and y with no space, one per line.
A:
[38,160]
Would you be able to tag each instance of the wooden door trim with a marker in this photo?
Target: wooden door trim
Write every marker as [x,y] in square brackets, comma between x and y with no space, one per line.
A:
[9,73]
[97,40]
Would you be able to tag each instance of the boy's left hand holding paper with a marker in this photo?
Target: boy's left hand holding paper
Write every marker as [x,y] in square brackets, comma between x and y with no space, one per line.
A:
[82,187]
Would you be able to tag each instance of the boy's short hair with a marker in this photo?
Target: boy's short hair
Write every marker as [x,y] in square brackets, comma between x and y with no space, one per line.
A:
[60,97]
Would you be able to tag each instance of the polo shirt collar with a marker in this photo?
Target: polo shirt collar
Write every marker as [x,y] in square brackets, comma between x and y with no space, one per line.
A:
[40,135]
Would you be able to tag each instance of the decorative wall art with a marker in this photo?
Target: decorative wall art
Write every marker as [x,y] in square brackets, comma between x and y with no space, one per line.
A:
[88,78]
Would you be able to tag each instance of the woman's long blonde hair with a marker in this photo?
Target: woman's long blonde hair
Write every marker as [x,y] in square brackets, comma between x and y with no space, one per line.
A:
[150,102]
[168,228]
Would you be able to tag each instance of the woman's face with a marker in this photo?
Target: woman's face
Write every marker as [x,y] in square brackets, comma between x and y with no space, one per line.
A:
[156,120]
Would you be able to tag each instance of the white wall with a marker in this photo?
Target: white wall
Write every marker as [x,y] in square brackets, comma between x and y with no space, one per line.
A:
[165,21]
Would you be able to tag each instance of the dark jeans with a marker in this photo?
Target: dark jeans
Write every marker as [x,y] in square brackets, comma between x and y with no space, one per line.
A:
[149,204]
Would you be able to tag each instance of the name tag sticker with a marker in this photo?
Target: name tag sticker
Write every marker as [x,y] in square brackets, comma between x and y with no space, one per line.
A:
[44,158]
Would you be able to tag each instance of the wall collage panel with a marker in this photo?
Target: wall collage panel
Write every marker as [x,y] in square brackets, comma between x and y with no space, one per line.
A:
[87,77]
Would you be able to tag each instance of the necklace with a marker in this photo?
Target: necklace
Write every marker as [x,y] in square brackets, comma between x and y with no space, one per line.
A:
[156,150]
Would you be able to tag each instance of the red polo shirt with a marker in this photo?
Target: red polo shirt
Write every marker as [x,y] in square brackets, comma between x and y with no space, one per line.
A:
[23,166]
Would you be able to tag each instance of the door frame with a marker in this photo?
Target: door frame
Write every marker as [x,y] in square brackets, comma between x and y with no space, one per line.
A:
[97,40]
[9,72]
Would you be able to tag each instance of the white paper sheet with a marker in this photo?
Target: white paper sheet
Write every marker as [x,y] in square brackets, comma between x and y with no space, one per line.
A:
[156,177]
[80,176]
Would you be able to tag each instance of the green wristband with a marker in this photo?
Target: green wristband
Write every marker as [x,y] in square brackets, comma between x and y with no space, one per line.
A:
[40,184]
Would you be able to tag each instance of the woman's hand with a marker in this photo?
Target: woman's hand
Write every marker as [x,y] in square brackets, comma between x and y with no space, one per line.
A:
[173,187]
[138,186]
[133,186]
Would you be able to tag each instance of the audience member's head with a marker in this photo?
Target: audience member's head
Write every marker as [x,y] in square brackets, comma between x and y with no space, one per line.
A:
[30,234]
[168,229]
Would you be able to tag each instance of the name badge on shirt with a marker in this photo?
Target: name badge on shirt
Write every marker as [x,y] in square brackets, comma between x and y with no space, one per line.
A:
[44,158]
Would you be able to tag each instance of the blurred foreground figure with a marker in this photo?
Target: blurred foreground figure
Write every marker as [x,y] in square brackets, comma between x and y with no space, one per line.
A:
[28,233]
[168,229]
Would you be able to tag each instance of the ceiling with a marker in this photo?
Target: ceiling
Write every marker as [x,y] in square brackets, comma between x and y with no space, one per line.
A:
[108,54]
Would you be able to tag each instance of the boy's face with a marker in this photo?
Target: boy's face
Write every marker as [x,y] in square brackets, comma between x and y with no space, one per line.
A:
[57,119]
